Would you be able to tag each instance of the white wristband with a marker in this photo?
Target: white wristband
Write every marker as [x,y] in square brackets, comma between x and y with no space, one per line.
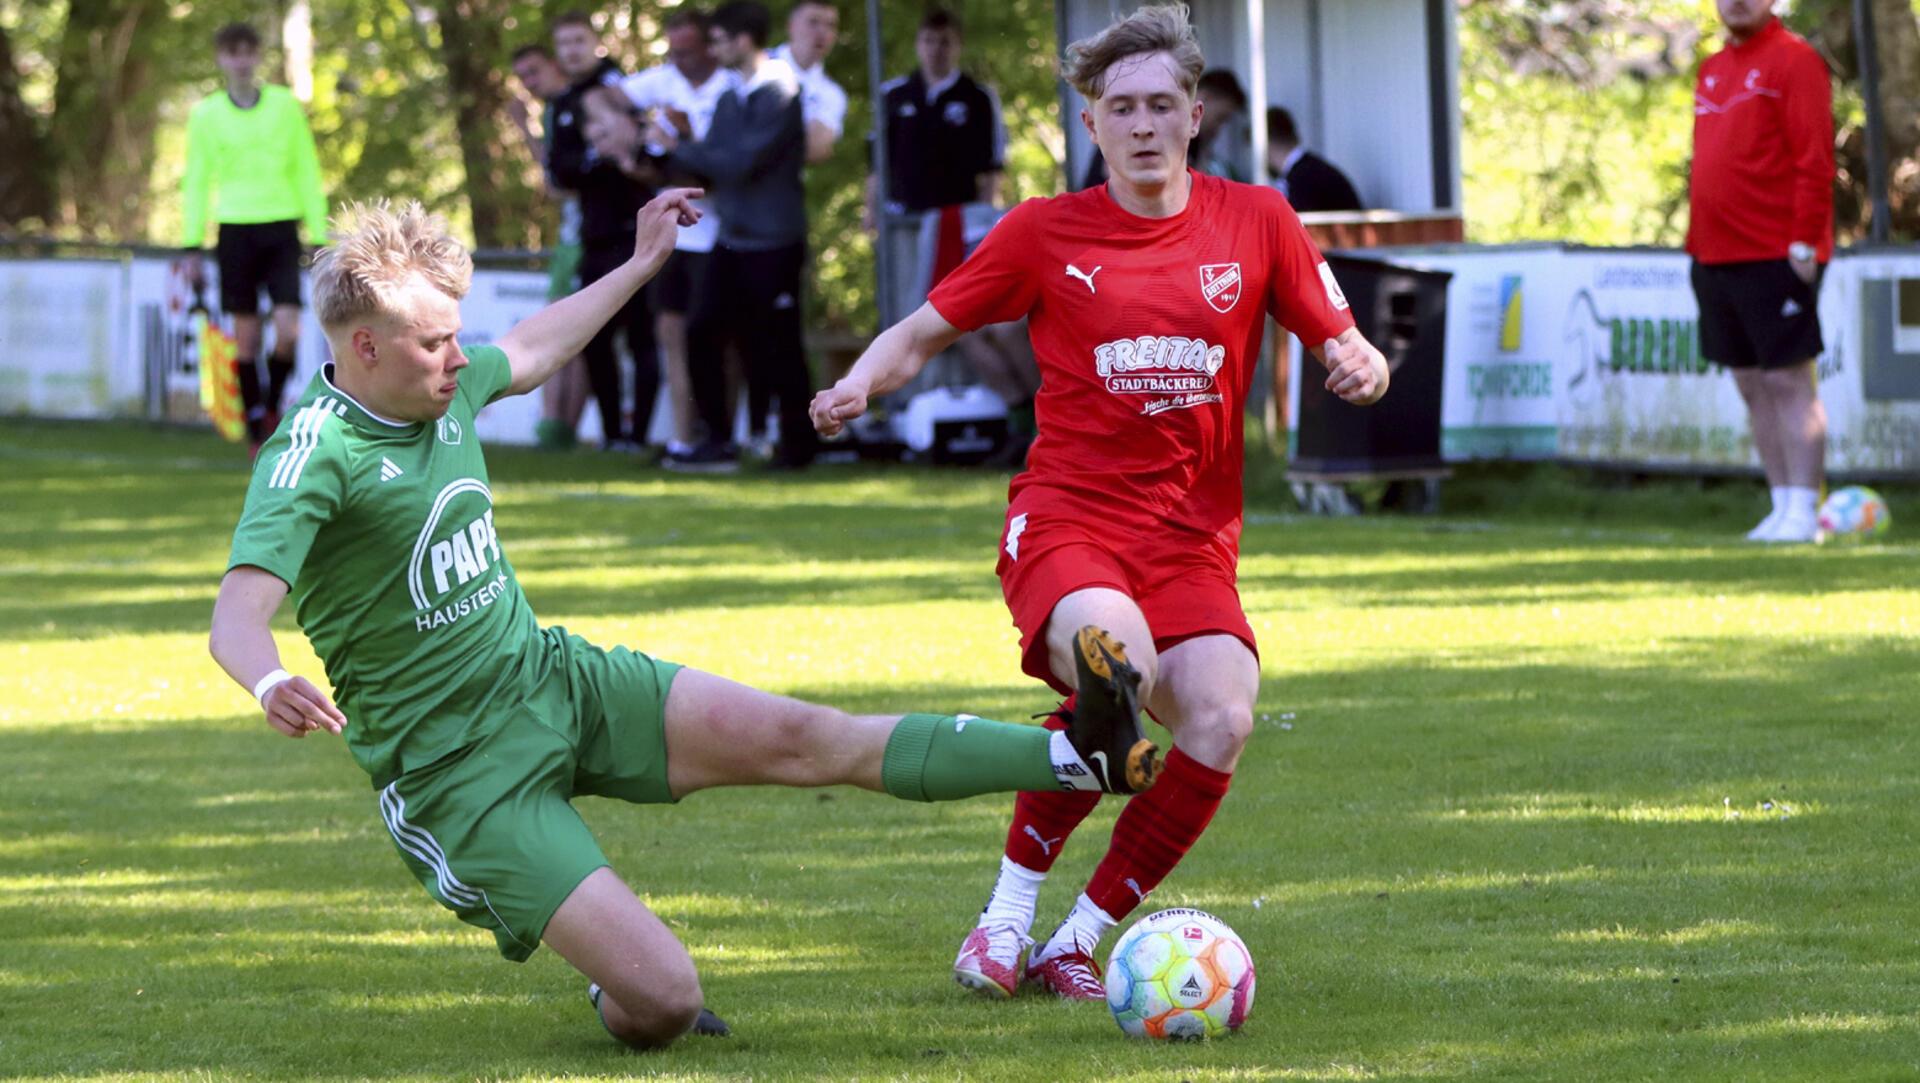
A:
[268,683]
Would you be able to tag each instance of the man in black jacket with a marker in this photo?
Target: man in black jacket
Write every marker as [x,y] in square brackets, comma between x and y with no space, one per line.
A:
[609,200]
[1310,182]
[750,160]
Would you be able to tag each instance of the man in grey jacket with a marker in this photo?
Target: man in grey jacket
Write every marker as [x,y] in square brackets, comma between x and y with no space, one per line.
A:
[750,161]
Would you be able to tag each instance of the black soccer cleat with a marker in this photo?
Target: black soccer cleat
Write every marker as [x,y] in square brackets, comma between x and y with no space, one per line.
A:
[1105,724]
[709,1025]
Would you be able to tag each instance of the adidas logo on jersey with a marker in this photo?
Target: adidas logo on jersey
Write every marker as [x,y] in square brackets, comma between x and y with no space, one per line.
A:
[1790,309]
[389,469]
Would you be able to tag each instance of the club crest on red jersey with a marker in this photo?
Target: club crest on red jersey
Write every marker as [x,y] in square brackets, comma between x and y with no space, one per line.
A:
[1220,285]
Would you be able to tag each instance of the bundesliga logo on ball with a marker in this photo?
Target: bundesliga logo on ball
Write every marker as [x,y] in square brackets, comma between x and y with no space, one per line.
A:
[1180,974]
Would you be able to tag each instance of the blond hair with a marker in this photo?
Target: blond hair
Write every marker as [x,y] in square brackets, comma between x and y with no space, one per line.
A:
[1152,29]
[359,275]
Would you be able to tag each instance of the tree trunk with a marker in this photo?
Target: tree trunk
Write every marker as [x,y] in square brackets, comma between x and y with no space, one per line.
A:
[26,189]
[105,110]
[1897,34]
[500,199]
[1829,26]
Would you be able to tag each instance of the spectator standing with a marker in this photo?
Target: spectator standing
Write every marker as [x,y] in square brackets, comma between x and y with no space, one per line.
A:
[751,161]
[813,29]
[1310,182]
[682,94]
[946,143]
[1761,234]
[563,398]
[609,199]
[946,151]
[1218,148]
[250,152]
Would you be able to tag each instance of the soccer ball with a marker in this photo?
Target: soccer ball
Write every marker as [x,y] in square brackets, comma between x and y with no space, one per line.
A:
[1180,974]
[1855,512]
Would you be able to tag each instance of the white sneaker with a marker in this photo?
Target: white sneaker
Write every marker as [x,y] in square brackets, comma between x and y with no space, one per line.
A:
[1764,532]
[1795,530]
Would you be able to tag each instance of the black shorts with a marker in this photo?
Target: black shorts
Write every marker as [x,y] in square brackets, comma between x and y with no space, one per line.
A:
[680,281]
[253,255]
[1758,314]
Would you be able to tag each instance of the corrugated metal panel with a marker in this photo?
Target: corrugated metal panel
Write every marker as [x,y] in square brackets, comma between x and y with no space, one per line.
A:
[1377,104]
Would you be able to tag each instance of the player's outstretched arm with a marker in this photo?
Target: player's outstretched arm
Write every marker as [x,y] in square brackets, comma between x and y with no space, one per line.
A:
[893,359]
[242,642]
[1356,371]
[539,345]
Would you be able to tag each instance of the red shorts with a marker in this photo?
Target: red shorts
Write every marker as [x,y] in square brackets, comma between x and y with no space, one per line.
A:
[1183,581]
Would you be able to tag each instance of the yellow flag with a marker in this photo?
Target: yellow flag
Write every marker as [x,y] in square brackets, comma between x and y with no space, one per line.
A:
[219,382]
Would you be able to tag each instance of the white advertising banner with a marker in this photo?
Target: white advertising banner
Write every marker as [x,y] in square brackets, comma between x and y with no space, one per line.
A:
[1870,375]
[1503,338]
[62,343]
[1593,355]
[1632,384]
[1552,352]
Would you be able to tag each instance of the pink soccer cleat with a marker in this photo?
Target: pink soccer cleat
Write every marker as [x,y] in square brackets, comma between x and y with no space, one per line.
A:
[1070,975]
[990,960]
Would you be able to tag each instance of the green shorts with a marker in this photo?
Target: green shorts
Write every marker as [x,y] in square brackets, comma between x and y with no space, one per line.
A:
[489,830]
[563,271]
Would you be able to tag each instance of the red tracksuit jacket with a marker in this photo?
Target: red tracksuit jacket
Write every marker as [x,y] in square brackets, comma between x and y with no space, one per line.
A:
[1762,151]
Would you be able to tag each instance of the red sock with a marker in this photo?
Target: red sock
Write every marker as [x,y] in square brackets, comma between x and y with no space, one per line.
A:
[1042,820]
[1155,832]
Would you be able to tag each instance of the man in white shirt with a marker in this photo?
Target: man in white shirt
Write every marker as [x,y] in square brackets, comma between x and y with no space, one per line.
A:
[812,31]
[681,94]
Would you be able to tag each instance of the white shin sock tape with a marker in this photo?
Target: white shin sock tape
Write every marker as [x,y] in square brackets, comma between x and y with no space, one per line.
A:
[268,683]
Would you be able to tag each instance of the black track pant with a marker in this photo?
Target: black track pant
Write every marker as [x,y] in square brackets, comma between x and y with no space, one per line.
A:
[603,365]
[753,297]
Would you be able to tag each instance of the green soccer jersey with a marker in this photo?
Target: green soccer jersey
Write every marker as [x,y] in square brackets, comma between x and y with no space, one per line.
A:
[385,534]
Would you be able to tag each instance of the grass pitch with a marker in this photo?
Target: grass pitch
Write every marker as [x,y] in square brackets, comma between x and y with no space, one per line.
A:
[1564,784]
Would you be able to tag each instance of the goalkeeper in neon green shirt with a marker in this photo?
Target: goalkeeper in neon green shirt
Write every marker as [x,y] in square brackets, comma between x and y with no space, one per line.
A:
[251,155]
[373,507]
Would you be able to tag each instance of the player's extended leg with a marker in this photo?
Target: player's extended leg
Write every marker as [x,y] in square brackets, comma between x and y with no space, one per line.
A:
[1205,696]
[721,733]
[650,994]
[989,959]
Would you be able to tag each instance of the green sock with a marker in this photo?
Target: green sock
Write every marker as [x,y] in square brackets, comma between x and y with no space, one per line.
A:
[933,757]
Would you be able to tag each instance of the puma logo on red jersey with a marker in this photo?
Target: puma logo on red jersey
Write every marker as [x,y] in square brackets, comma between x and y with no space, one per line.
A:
[1084,276]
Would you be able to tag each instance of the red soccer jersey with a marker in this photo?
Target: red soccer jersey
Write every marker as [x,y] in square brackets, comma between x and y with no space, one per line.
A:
[1762,151]
[1146,331]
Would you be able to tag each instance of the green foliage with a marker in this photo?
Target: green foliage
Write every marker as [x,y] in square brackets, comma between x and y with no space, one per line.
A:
[1606,797]
[1577,119]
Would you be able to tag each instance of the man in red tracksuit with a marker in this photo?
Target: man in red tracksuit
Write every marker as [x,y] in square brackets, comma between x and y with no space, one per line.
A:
[1761,234]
